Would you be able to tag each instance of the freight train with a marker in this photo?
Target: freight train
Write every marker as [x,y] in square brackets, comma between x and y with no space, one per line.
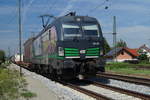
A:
[71,46]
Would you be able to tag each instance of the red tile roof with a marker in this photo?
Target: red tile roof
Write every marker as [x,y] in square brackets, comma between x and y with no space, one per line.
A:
[134,52]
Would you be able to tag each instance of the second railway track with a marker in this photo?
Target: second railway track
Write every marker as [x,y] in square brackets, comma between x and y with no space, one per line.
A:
[120,90]
[136,80]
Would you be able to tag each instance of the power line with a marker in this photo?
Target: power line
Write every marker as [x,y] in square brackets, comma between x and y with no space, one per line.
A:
[48,15]
[14,13]
[52,5]
[106,7]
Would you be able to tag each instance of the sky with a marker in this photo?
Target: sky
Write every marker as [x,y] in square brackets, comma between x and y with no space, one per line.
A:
[132,18]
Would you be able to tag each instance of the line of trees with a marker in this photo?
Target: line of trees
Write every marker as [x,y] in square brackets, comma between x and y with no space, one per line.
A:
[106,46]
[2,56]
[119,43]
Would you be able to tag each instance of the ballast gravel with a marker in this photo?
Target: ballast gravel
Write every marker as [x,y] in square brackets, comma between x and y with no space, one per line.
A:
[109,93]
[125,85]
[62,92]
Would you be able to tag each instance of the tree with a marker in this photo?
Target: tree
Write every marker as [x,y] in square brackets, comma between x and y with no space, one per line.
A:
[2,56]
[121,43]
[106,46]
[143,55]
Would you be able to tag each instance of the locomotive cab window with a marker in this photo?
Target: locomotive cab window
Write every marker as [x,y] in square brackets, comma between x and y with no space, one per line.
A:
[71,30]
[91,30]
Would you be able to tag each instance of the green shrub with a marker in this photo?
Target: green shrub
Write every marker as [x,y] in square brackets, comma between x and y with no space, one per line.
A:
[11,85]
[2,56]
[126,68]
[143,56]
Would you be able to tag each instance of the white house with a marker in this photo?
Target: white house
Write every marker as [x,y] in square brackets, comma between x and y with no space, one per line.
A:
[16,58]
[144,49]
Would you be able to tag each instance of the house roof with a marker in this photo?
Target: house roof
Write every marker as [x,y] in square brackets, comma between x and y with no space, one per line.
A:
[144,47]
[132,52]
[112,52]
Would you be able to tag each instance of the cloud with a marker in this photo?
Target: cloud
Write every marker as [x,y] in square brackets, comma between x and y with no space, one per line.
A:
[130,7]
[138,30]
[68,7]
[13,43]
[134,35]
[26,10]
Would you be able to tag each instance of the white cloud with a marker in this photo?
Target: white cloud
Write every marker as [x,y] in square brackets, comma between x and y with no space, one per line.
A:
[25,10]
[134,35]
[68,7]
[138,30]
[131,7]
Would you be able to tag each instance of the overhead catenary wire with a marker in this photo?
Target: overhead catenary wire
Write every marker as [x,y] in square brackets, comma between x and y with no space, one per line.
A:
[53,5]
[48,15]
[100,5]
[14,16]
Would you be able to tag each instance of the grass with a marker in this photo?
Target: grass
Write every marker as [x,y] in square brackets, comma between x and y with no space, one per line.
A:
[28,95]
[12,85]
[140,69]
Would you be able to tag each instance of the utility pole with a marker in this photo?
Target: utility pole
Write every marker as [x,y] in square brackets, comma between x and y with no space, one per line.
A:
[20,32]
[149,46]
[114,38]
[148,42]
[9,53]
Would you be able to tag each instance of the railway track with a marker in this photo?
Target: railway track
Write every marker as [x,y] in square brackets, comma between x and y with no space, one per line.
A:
[85,91]
[98,96]
[136,80]
[120,90]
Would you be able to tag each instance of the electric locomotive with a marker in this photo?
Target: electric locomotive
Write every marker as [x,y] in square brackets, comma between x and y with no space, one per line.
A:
[71,46]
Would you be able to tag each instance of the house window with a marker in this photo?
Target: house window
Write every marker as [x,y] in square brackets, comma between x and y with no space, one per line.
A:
[122,53]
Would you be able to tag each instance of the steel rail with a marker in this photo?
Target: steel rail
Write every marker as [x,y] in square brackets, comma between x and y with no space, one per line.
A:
[85,91]
[124,91]
[82,90]
[136,80]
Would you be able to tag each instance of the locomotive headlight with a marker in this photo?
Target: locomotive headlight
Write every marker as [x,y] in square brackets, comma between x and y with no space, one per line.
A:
[60,51]
[78,19]
[101,52]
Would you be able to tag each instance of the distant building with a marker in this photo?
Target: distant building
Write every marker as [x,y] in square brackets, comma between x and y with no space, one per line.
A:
[144,49]
[122,54]
[16,58]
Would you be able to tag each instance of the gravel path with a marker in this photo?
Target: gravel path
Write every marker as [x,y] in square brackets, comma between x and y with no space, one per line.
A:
[50,90]
[42,92]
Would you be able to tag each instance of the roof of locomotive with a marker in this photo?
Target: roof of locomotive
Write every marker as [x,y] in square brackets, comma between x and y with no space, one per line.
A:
[67,19]
[73,18]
